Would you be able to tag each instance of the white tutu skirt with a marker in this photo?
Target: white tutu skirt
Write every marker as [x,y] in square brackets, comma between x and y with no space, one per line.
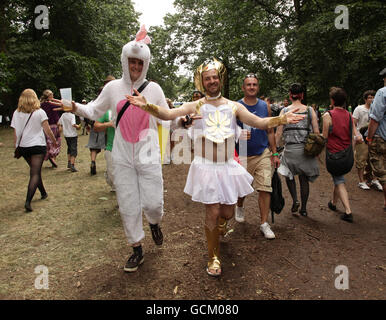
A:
[210,182]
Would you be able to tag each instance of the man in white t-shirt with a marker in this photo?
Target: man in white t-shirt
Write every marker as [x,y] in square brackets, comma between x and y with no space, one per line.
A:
[68,126]
[361,120]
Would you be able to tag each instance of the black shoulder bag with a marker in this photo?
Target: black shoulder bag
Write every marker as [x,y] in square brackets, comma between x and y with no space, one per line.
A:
[140,89]
[277,199]
[17,153]
[341,162]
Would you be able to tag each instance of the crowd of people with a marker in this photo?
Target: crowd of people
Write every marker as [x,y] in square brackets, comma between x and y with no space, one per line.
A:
[235,146]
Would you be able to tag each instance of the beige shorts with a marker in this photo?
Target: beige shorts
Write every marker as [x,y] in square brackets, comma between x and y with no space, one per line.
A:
[261,168]
[361,155]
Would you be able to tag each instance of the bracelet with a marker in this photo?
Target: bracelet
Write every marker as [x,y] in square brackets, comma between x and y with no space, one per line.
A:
[275,154]
[369,139]
[277,121]
[151,108]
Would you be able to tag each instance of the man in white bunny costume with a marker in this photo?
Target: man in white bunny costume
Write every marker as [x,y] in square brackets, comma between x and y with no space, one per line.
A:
[136,152]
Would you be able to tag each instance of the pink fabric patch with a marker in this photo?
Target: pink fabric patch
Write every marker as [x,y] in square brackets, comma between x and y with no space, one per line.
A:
[134,123]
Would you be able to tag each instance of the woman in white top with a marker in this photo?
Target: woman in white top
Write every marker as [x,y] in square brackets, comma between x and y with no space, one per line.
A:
[31,140]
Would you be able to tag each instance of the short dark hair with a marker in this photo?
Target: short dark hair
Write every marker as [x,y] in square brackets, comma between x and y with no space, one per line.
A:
[368,93]
[296,89]
[251,75]
[199,92]
[339,96]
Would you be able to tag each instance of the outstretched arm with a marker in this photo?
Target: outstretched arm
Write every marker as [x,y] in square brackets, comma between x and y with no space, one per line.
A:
[265,123]
[161,113]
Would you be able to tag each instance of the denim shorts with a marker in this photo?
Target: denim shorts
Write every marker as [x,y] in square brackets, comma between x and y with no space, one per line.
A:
[338,179]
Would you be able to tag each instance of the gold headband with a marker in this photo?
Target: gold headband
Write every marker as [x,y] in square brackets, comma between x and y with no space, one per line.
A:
[215,64]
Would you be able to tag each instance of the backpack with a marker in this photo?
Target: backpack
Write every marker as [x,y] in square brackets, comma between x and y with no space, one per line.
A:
[315,143]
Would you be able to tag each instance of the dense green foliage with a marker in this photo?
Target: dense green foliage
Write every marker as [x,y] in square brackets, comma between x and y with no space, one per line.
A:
[81,46]
[283,41]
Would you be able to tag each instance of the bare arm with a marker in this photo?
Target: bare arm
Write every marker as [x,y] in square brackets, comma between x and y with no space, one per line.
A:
[373,126]
[279,129]
[326,124]
[161,113]
[265,123]
[356,134]
[314,122]
[272,143]
[48,131]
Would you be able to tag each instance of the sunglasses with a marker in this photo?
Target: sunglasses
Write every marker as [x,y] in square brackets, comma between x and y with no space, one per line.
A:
[251,75]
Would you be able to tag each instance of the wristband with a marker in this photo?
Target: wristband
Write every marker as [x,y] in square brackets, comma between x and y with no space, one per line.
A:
[152,109]
[275,154]
[368,139]
[277,121]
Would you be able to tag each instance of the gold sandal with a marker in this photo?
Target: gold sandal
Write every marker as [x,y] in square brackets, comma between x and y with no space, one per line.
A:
[215,265]
[213,238]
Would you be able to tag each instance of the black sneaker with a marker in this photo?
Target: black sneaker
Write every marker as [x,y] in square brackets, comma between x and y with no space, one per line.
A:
[331,206]
[156,233]
[93,169]
[347,217]
[73,169]
[69,165]
[134,262]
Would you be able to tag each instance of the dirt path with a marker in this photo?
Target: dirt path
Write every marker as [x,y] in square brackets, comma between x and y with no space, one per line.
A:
[78,234]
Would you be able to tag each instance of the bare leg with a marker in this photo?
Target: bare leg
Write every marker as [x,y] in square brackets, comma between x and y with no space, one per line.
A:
[264,205]
[212,213]
[343,195]
[361,175]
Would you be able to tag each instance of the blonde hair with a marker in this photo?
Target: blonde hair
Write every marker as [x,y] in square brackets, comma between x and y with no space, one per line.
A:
[28,101]
[46,94]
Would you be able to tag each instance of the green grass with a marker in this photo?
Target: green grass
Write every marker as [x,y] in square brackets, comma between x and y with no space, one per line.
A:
[69,231]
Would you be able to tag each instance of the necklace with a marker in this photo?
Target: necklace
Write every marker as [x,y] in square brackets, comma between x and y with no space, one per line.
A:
[213,98]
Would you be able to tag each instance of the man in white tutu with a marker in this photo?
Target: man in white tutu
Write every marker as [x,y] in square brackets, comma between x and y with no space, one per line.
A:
[215,178]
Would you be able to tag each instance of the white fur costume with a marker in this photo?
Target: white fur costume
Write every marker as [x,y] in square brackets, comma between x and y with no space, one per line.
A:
[136,152]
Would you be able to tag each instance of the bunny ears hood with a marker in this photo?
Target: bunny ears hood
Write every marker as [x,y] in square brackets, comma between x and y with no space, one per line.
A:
[136,49]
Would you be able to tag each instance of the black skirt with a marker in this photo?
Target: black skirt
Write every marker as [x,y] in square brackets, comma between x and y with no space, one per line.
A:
[26,152]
